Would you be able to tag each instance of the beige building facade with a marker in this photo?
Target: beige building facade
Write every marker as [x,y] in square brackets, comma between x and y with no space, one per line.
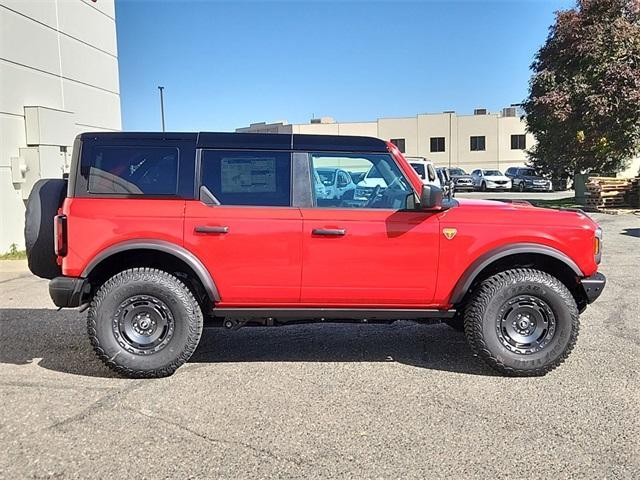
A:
[58,77]
[482,140]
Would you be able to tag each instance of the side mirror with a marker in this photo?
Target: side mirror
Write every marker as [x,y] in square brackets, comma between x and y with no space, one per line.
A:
[430,197]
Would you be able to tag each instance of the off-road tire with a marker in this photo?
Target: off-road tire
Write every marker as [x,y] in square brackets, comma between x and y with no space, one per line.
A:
[116,353]
[44,200]
[483,311]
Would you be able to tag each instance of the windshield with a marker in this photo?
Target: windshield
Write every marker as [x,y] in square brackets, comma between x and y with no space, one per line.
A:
[419,168]
[457,171]
[374,173]
[529,172]
[327,176]
[492,173]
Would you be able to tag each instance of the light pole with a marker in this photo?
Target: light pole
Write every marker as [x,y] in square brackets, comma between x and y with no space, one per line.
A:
[162,106]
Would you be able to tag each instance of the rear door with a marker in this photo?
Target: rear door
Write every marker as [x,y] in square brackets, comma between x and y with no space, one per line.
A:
[244,227]
[370,250]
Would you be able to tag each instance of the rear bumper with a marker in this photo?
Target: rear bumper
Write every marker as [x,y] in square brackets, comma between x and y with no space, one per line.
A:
[68,292]
[593,286]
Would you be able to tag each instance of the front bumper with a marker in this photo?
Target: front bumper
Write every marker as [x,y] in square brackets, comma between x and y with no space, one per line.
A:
[540,188]
[593,286]
[69,292]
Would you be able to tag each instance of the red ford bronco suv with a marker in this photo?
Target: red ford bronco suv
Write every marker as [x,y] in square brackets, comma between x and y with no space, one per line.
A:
[153,232]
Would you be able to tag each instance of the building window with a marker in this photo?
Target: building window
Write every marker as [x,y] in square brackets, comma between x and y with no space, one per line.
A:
[518,142]
[478,144]
[437,144]
[399,142]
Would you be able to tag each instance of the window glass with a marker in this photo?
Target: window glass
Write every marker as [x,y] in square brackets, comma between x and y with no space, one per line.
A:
[120,170]
[477,144]
[492,173]
[248,178]
[380,182]
[518,142]
[419,168]
[432,173]
[437,144]
[399,142]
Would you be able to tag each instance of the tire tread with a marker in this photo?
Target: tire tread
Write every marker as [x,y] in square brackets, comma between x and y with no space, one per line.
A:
[178,288]
[473,318]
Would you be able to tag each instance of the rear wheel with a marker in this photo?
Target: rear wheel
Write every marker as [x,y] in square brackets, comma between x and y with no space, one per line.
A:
[144,322]
[522,322]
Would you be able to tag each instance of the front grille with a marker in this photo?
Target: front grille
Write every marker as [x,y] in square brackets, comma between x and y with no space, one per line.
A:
[500,182]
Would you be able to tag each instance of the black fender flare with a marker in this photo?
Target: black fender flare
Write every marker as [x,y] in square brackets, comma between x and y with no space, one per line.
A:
[470,274]
[162,246]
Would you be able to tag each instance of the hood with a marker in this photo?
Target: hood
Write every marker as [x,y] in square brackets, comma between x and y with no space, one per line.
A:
[519,212]
[466,177]
[532,177]
[493,178]
[372,182]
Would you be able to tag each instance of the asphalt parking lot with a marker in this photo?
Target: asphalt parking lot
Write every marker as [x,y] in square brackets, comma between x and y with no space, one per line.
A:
[341,401]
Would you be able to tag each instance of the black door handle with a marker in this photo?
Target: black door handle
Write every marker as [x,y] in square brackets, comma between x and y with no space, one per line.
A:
[338,232]
[207,229]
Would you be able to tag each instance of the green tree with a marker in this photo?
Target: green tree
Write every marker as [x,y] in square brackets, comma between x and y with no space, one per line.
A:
[584,96]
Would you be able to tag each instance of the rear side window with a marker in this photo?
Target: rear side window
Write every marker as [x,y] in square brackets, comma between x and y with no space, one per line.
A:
[257,178]
[132,170]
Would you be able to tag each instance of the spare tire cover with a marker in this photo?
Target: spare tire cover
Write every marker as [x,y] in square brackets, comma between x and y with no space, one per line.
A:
[45,198]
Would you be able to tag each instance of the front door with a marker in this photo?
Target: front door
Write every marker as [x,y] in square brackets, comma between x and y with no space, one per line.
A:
[244,228]
[368,250]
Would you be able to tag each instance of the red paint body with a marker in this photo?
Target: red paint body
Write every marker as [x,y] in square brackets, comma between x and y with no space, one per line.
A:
[269,257]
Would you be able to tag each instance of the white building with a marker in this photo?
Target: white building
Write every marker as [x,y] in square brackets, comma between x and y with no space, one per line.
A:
[58,77]
[481,140]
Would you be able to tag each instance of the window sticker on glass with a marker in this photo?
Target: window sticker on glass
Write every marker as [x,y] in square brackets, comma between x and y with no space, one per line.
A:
[248,175]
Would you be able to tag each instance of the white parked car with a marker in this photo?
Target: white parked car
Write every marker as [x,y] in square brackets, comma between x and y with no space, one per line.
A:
[425,170]
[338,184]
[490,180]
[373,179]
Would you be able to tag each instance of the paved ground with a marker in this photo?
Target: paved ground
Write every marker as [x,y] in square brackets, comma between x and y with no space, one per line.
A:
[323,401]
[508,195]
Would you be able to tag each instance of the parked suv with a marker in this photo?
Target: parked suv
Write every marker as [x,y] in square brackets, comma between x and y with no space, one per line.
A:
[155,231]
[526,178]
[461,180]
[490,180]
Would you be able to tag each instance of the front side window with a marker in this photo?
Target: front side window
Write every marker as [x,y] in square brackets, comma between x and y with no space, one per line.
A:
[437,144]
[248,178]
[132,170]
[518,142]
[381,184]
[477,144]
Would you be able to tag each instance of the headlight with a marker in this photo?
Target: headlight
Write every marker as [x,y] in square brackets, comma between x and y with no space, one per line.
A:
[597,245]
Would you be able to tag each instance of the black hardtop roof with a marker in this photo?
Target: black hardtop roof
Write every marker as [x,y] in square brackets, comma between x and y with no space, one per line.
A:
[259,141]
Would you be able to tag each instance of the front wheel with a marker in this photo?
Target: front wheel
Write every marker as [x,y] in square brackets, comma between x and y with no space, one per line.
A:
[521,186]
[144,323]
[483,187]
[522,322]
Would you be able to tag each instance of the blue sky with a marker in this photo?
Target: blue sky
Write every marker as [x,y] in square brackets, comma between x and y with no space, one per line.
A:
[227,64]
